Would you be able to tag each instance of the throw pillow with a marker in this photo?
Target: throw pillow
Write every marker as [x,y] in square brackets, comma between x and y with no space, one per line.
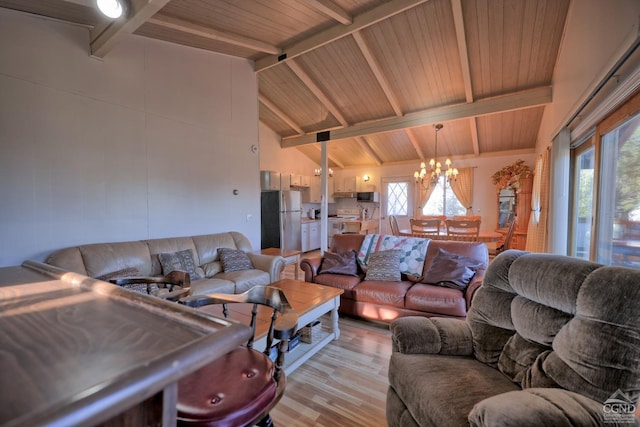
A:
[234,260]
[181,260]
[384,266]
[339,264]
[451,270]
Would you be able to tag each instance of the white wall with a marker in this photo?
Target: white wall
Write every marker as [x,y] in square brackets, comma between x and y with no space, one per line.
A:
[151,142]
[288,160]
[597,33]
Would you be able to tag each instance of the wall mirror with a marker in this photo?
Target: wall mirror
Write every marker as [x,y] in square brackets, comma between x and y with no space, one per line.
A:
[506,207]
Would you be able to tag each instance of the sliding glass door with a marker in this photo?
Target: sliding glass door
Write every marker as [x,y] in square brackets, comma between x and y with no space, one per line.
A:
[618,225]
[583,178]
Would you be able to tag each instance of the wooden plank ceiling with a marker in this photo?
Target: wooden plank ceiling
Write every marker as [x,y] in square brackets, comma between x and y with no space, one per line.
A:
[376,74]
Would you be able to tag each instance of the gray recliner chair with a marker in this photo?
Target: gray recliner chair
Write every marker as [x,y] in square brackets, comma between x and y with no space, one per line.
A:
[549,341]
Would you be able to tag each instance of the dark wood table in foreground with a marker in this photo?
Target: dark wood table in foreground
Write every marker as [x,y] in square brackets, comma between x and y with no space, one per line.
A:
[78,351]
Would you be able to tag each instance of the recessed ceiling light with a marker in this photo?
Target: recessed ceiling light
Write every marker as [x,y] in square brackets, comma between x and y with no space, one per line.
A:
[111,8]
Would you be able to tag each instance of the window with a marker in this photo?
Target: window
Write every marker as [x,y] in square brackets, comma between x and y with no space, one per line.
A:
[443,201]
[619,199]
[397,198]
[583,203]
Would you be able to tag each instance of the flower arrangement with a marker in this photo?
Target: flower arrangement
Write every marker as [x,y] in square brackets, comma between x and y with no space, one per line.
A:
[509,176]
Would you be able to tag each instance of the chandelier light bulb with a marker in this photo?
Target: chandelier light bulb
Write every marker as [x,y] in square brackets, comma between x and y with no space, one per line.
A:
[436,167]
[111,8]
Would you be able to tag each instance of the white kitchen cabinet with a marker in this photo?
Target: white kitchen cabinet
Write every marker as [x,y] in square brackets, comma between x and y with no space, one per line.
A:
[314,235]
[306,181]
[270,180]
[346,184]
[314,193]
[296,180]
[304,236]
[310,236]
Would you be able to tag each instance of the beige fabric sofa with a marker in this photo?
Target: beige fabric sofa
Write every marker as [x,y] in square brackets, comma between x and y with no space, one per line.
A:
[103,259]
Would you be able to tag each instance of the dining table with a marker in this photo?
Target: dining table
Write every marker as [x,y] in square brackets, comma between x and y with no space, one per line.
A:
[485,236]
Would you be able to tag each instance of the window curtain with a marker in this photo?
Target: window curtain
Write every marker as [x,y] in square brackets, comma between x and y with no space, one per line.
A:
[537,228]
[423,197]
[463,188]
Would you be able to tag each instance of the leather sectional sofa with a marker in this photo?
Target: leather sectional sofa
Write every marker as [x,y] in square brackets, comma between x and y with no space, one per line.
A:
[385,300]
[142,258]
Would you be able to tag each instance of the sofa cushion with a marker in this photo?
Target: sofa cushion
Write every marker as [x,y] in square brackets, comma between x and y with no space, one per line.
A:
[245,279]
[382,292]
[340,281]
[170,245]
[212,268]
[384,266]
[212,285]
[443,389]
[436,299]
[103,258]
[339,264]
[451,270]
[234,260]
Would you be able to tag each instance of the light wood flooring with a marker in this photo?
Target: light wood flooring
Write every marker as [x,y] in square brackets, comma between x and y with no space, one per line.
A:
[344,384]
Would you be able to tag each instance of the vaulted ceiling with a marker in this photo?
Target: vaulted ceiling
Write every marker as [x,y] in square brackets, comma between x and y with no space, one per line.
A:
[371,76]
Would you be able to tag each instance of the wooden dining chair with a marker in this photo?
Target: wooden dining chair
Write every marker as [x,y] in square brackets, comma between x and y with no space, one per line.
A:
[467,230]
[442,219]
[241,387]
[425,227]
[506,243]
[467,217]
[393,223]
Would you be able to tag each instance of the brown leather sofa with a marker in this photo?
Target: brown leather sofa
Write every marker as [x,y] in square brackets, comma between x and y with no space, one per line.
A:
[110,260]
[385,301]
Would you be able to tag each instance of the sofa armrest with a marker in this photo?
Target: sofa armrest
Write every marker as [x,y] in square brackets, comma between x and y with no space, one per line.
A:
[540,407]
[431,335]
[310,267]
[471,289]
[272,264]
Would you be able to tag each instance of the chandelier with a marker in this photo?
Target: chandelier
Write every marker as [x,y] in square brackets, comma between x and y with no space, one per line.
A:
[430,179]
[318,172]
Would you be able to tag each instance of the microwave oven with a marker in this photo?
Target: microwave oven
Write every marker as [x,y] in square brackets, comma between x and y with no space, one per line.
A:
[368,196]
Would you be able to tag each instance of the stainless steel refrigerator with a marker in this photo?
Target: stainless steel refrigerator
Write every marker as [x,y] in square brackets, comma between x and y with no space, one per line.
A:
[281,213]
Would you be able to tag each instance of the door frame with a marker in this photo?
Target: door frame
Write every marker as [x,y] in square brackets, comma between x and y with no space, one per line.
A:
[403,220]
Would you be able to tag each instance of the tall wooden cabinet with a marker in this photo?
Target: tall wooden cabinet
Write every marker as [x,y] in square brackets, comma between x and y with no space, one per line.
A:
[523,212]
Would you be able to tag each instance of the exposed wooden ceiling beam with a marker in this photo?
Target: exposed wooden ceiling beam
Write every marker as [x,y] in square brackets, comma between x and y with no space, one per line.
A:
[332,10]
[366,147]
[373,16]
[278,112]
[514,101]
[103,40]
[315,89]
[458,20]
[461,37]
[473,124]
[415,143]
[210,33]
[377,72]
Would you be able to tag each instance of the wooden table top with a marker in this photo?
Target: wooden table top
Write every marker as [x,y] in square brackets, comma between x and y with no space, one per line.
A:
[484,236]
[302,296]
[76,350]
